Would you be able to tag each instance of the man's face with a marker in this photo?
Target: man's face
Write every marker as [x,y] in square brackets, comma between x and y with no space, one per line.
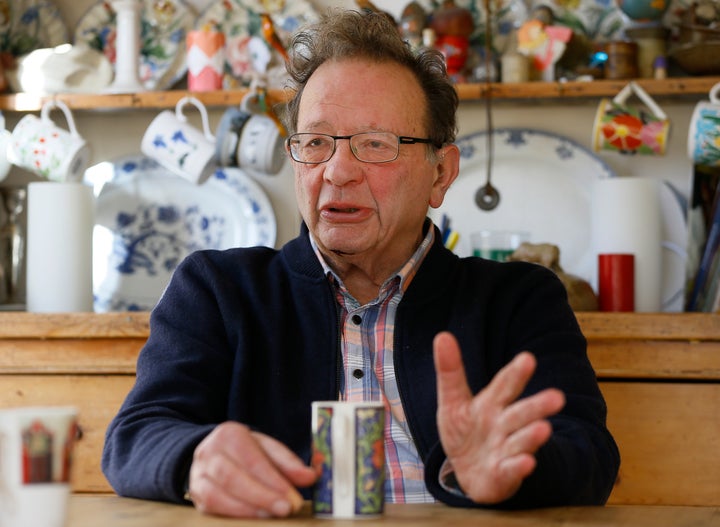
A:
[361,210]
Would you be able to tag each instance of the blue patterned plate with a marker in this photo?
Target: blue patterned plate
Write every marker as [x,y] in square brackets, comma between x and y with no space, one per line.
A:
[148,220]
[27,25]
[163,27]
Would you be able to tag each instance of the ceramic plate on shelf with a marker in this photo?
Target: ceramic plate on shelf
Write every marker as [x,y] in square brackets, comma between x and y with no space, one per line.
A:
[598,20]
[148,220]
[240,21]
[163,27]
[27,25]
[545,182]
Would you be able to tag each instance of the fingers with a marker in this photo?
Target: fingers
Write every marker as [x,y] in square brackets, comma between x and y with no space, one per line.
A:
[510,381]
[236,472]
[452,384]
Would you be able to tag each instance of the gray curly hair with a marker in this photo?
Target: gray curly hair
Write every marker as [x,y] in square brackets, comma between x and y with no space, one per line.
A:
[341,34]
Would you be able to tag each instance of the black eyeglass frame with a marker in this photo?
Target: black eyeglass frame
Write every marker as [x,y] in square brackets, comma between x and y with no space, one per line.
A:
[402,140]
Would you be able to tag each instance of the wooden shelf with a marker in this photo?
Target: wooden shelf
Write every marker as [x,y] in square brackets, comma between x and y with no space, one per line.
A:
[678,87]
[674,87]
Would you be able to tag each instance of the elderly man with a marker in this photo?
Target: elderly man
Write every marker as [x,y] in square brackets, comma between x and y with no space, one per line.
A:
[490,397]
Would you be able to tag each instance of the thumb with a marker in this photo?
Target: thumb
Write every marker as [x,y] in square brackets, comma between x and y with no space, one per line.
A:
[452,386]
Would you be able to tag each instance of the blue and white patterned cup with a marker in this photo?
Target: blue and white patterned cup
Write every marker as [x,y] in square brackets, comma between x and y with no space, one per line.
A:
[349,454]
[180,147]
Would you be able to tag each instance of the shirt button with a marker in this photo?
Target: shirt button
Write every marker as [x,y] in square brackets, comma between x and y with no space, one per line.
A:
[358,374]
[357,319]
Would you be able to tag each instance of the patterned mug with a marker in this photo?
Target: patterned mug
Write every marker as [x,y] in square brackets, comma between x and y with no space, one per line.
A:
[626,129]
[349,454]
[39,145]
[704,131]
[180,147]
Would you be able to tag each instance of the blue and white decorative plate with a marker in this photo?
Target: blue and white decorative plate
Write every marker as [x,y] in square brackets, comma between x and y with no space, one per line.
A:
[545,183]
[27,25]
[148,220]
[164,25]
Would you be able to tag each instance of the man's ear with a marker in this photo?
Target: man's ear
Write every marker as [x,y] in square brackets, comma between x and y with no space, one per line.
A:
[446,171]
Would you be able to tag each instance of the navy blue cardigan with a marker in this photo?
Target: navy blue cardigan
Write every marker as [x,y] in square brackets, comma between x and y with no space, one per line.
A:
[251,335]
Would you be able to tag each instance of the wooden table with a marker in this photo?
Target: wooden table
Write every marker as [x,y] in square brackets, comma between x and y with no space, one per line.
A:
[111,511]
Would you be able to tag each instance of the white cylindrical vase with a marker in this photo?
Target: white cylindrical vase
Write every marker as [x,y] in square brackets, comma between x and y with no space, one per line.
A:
[60,220]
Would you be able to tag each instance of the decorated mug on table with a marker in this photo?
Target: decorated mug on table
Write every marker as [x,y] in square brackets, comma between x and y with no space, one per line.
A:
[704,131]
[39,145]
[628,129]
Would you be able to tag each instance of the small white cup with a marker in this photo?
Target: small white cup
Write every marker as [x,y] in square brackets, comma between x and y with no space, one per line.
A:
[36,451]
[42,147]
[179,146]
[5,140]
[250,140]
[704,131]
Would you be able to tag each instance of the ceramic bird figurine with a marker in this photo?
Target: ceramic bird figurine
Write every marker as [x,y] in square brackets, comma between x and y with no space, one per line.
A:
[271,36]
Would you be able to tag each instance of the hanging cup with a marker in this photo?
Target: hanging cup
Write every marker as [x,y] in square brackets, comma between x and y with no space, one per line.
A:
[627,129]
[179,146]
[704,131]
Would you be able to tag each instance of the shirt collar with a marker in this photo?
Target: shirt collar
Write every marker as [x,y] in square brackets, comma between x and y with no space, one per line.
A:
[406,272]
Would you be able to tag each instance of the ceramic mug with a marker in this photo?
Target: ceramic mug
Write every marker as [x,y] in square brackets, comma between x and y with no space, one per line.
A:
[36,454]
[39,145]
[250,139]
[179,146]
[620,127]
[348,453]
[704,131]
[5,140]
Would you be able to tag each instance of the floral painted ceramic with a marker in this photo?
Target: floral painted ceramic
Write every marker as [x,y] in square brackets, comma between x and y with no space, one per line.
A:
[27,25]
[148,220]
[247,54]
[349,453]
[164,25]
[629,129]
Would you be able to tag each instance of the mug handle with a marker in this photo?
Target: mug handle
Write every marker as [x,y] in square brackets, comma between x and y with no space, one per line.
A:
[632,86]
[49,105]
[203,114]
[714,94]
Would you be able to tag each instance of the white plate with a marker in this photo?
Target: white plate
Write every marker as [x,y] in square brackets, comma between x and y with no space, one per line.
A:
[545,182]
[163,30]
[27,25]
[240,20]
[148,220]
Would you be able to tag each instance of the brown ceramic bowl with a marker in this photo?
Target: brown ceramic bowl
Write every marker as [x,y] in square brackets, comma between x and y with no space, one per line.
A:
[701,58]
[695,33]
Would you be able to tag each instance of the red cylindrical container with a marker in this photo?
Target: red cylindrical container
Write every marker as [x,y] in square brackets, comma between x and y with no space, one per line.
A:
[616,282]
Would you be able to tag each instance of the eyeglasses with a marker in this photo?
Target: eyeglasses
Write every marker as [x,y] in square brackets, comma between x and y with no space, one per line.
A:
[369,147]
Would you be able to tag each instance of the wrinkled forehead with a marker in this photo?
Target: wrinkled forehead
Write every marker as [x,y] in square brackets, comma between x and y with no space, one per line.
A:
[362,92]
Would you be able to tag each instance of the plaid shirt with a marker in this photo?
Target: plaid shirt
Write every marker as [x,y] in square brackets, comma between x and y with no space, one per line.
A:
[367,334]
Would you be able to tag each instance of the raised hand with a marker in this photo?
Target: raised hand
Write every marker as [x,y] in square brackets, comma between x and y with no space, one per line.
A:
[490,438]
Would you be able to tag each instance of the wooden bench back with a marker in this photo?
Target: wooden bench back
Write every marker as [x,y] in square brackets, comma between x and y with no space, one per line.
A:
[660,374]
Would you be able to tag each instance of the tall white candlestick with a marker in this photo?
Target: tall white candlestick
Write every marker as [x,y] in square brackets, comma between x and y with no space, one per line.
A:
[127,47]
